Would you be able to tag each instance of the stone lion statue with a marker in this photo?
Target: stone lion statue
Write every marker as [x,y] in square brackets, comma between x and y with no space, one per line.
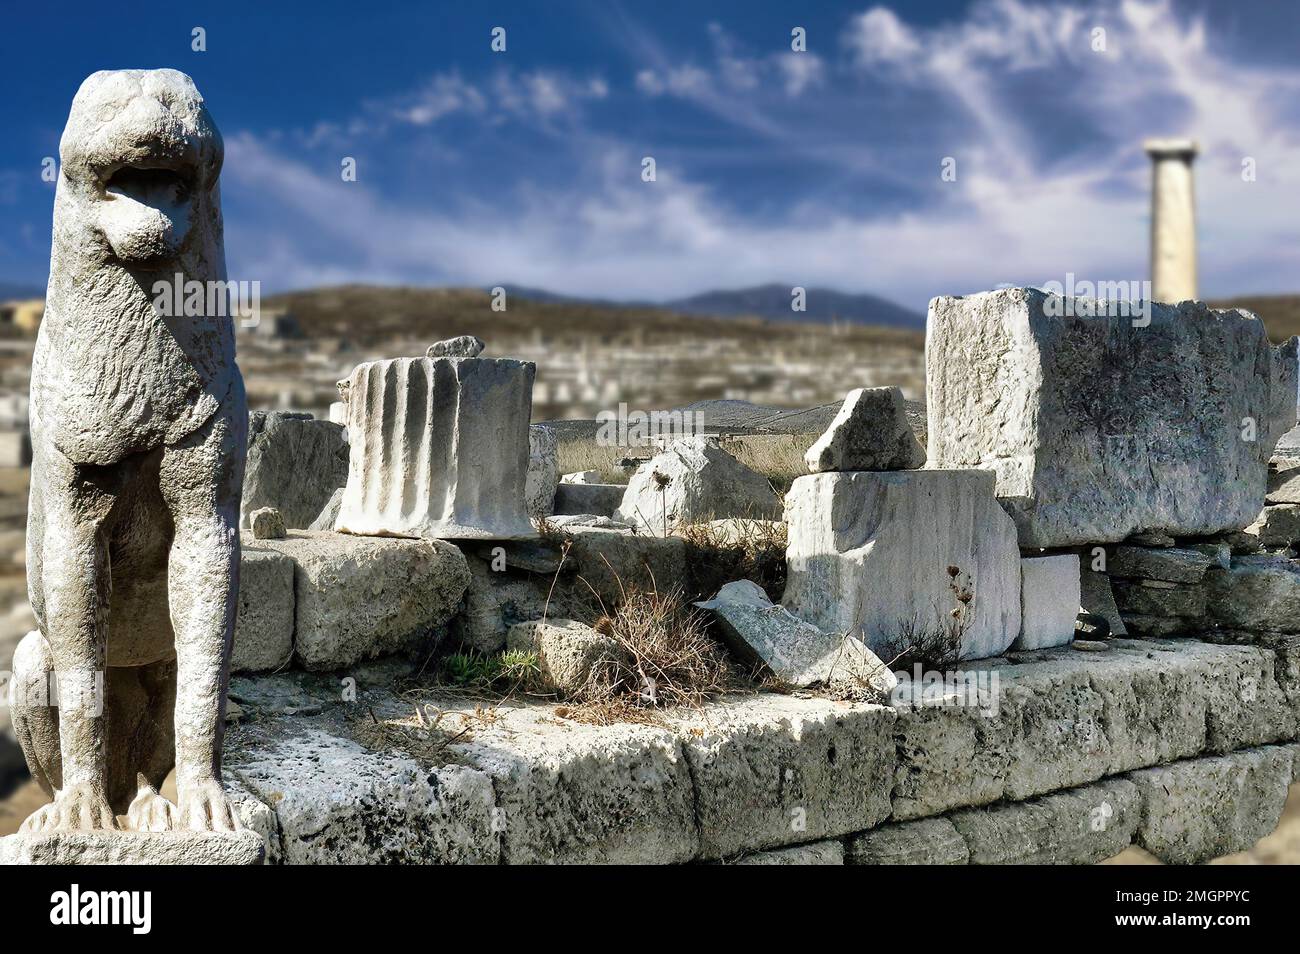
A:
[138,425]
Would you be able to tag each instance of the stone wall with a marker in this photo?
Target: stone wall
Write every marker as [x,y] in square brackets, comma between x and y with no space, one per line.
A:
[1181,746]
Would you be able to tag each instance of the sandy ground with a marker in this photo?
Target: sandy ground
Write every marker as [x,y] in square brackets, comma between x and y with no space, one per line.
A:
[1280,848]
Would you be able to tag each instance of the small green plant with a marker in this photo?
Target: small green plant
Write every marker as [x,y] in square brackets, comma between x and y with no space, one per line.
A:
[508,670]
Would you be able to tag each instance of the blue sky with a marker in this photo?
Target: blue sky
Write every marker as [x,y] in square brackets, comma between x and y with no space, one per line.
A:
[815,168]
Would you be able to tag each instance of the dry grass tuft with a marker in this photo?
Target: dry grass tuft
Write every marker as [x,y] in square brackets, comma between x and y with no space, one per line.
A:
[666,659]
[934,645]
[579,455]
[778,457]
[426,734]
[717,553]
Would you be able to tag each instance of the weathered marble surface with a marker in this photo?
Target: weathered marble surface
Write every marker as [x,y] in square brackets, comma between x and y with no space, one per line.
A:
[543,471]
[360,597]
[692,481]
[295,464]
[133,848]
[138,424]
[526,783]
[870,432]
[1097,428]
[439,448]
[1049,600]
[881,555]
[796,651]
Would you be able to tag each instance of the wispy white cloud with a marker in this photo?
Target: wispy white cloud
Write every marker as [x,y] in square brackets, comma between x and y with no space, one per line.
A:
[1045,127]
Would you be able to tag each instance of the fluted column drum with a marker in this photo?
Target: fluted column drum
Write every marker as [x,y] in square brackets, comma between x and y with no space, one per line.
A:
[439,448]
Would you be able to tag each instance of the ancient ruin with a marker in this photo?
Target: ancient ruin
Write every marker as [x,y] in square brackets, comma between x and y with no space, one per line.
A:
[1173,220]
[439,448]
[1050,614]
[138,432]
[1101,423]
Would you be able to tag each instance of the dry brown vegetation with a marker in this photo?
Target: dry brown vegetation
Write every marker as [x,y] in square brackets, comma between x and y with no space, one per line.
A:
[665,659]
[584,454]
[718,553]
[932,645]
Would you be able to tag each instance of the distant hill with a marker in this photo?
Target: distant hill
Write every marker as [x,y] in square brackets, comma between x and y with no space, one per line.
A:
[822,304]
[771,302]
[376,312]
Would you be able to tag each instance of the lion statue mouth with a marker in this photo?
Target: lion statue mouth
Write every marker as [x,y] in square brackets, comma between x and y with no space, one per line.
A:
[143,162]
[147,211]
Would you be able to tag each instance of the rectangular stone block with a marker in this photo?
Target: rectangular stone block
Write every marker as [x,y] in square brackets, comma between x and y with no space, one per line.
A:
[1206,808]
[600,499]
[1071,718]
[775,770]
[573,793]
[1256,593]
[1049,601]
[336,802]
[264,620]
[1079,826]
[1101,426]
[132,848]
[930,841]
[360,597]
[1160,599]
[818,853]
[885,556]
[1171,564]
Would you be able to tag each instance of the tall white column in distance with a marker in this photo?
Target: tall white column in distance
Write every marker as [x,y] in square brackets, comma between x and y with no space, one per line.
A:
[1173,219]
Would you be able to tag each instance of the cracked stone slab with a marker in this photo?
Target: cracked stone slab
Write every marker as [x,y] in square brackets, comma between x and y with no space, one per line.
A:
[1149,563]
[818,853]
[750,773]
[1256,593]
[1079,826]
[929,841]
[132,848]
[573,793]
[772,770]
[337,802]
[1205,808]
[360,597]
[1072,718]
[264,619]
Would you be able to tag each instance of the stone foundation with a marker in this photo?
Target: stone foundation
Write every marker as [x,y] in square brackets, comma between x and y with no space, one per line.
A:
[1061,765]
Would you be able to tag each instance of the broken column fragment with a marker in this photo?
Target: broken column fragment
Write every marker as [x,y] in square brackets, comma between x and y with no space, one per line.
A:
[897,558]
[1100,426]
[796,651]
[870,432]
[439,448]
[692,481]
